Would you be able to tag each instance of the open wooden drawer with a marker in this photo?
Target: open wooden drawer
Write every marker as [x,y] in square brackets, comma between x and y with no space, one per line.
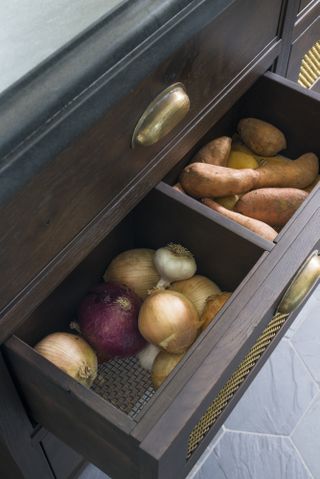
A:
[123,426]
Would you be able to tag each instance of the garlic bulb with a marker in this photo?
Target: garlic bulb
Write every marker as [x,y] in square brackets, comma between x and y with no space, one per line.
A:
[147,356]
[197,289]
[135,269]
[72,354]
[173,262]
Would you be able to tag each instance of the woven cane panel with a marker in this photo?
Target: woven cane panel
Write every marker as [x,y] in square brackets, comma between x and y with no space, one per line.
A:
[125,384]
[310,67]
[227,392]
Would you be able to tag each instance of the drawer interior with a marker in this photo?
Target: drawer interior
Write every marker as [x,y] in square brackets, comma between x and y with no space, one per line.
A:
[158,220]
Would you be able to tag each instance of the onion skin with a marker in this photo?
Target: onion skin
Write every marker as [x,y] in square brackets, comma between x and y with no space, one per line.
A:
[213,306]
[197,289]
[162,367]
[147,356]
[108,320]
[169,320]
[135,269]
[71,354]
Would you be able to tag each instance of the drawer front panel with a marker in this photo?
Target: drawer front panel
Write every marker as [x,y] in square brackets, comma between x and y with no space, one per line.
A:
[94,171]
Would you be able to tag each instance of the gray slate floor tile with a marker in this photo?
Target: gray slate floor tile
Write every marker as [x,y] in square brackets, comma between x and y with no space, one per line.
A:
[250,456]
[306,437]
[194,473]
[278,396]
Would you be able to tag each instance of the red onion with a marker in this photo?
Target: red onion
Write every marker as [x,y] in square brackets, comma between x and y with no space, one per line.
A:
[108,320]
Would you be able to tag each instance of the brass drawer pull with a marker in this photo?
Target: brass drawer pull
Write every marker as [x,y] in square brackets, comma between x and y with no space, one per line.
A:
[161,115]
[301,284]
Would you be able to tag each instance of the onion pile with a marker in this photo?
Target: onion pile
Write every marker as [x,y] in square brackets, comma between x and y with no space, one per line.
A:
[169,320]
[213,305]
[132,313]
[135,269]
[147,356]
[197,289]
[71,354]
[108,320]
[162,367]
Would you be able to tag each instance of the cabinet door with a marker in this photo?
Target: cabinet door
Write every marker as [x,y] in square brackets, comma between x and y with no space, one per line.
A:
[304,62]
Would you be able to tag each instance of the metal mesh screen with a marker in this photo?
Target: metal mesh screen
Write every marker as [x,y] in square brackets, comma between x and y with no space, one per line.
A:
[222,399]
[310,67]
[125,384]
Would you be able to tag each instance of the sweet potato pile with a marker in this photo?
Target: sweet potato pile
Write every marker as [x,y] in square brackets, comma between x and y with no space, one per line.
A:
[246,179]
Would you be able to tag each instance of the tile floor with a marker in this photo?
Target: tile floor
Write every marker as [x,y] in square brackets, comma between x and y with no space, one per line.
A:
[274,431]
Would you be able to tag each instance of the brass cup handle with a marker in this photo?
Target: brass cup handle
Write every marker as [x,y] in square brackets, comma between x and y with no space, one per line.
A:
[302,283]
[162,115]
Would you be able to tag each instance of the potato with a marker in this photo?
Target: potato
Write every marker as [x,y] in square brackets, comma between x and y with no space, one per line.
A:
[213,305]
[258,227]
[216,152]
[240,160]
[261,137]
[273,206]
[202,180]
[227,201]
[237,145]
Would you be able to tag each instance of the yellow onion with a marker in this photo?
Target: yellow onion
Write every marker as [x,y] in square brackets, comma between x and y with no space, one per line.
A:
[72,354]
[197,289]
[212,307]
[168,320]
[162,367]
[135,269]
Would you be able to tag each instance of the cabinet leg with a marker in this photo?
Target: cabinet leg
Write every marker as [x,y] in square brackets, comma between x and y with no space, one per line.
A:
[19,457]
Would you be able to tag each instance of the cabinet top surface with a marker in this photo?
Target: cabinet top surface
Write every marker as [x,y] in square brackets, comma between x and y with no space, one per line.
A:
[33,30]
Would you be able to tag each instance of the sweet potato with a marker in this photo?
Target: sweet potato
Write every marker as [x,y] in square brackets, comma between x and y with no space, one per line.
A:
[310,187]
[292,174]
[202,180]
[216,152]
[258,227]
[261,137]
[178,187]
[273,206]
[213,305]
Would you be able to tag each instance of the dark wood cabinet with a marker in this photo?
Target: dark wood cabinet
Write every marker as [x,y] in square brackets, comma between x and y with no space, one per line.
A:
[299,60]
[95,196]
